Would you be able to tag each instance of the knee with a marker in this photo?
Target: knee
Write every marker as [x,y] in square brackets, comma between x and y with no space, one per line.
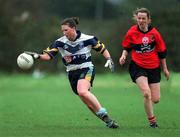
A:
[82,88]
[81,92]
[147,94]
[155,100]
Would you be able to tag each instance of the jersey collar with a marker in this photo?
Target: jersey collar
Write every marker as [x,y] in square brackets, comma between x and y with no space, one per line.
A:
[78,35]
[149,29]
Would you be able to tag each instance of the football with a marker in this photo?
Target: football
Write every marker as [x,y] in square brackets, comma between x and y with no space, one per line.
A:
[25,61]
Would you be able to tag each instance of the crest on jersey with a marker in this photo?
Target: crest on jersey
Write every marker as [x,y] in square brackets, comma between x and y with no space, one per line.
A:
[145,41]
[146,45]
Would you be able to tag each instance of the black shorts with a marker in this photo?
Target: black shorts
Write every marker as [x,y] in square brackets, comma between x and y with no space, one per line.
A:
[153,75]
[85,73]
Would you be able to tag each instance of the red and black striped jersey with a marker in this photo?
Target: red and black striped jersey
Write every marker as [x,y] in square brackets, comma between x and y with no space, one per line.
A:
[147,47]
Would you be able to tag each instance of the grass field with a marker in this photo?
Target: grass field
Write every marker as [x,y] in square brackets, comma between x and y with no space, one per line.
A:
[47,107]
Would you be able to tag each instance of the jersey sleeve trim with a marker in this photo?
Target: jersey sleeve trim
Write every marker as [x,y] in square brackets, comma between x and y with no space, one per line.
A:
[127,49]
[53,49]
[162,55]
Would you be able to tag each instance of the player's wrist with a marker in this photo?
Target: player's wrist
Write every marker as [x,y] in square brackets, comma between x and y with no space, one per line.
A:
[108,58]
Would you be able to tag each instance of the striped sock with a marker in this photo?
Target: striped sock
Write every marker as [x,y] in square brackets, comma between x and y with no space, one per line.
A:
[152,119]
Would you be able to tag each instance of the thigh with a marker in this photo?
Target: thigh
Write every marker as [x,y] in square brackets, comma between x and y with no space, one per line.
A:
[83,85]
[155,91]
[79,77]
[143,85]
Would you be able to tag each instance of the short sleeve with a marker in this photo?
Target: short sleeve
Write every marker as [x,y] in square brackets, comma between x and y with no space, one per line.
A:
[52,50]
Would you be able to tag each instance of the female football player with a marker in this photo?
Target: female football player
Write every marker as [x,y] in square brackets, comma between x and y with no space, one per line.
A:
[75,49]
[148,52]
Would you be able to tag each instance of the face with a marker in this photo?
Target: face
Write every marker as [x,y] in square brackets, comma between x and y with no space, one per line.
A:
[142,20]
[69,32]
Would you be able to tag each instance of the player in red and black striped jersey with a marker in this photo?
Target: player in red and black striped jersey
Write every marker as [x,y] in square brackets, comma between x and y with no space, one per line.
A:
[148,53]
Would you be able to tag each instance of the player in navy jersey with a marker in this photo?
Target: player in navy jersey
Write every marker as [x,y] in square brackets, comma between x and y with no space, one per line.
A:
[148,52]
[75,49]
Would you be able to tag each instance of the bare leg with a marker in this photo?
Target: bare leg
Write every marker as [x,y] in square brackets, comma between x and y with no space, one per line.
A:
[146,90]
[87,97]
[93,104]
[142,83]
[155,92]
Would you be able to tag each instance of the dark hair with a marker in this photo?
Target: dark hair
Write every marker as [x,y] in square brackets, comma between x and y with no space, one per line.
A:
[142,10]
[71,22]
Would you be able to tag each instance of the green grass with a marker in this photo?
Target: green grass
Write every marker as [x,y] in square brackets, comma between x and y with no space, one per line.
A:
[47,107]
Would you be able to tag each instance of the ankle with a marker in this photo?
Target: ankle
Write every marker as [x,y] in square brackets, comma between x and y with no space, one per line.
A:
[101,113]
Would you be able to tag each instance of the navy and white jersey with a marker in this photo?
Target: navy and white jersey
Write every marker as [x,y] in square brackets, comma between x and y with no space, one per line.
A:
[75,54]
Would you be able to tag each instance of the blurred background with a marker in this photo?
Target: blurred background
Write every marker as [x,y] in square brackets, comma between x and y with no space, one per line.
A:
[32,25]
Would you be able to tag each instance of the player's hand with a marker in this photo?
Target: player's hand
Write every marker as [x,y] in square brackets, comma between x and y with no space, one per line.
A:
[110,64]
[166,74]
[33,54]
[122,60]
